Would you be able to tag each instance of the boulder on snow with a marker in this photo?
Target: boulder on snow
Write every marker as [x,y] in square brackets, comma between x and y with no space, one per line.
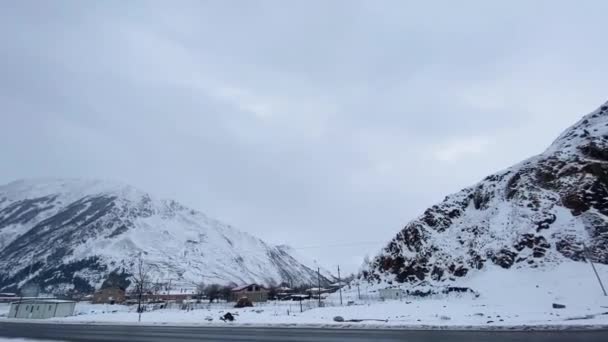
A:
[558,306]
[228,317]
[243,302]
[338,319]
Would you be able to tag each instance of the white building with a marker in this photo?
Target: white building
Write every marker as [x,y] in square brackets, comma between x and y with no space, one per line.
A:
[41,308]
[391,293]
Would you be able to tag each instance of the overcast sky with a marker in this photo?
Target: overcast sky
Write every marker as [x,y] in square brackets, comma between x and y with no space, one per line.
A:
[311,123]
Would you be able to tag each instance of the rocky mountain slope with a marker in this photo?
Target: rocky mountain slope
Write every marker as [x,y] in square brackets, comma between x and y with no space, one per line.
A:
[71,234]
[542,211]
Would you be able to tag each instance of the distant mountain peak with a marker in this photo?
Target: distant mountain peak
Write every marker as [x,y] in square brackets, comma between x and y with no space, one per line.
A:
[592,128]
[71,187]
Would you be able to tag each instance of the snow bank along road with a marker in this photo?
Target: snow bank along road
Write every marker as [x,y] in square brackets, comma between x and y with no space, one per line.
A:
[135,333]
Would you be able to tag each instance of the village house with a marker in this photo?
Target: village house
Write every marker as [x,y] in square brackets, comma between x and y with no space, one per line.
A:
[284,293]
[315,291]
[169,296]
[109,295]
[299,297]
[113,289]
[164,293]
[255,292]
[336,286]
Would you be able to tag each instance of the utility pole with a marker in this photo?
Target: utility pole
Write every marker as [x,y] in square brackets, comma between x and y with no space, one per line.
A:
[594,270]
[340,284]
[358,290]
[319,279]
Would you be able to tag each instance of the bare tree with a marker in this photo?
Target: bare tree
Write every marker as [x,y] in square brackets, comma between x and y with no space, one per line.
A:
[213,292]
[200,291]
[226,292]
[272,291]
[141,281]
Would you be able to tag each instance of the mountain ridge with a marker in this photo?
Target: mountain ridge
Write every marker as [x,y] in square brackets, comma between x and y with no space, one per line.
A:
[541,211]
[71,234]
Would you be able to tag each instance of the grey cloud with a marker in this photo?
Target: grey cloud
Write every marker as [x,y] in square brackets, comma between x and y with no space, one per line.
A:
[306,123]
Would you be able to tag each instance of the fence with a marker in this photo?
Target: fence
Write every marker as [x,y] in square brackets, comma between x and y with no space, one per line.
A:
[352,296]
[286,306]
[279,307]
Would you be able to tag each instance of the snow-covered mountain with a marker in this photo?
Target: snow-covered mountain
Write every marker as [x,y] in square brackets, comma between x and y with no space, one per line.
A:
[68,234]
[540,212]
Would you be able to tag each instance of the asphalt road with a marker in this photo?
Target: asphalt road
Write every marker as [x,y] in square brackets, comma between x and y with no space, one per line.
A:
[86,332]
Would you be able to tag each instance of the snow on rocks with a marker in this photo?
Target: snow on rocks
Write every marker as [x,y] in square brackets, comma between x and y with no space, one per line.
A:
[543,211]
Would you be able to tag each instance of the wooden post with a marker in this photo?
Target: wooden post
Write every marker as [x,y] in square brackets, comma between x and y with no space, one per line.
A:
[319,288]
[594,270]
[340,284]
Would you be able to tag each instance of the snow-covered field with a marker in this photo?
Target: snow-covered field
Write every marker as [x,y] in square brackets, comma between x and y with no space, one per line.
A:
[508,298]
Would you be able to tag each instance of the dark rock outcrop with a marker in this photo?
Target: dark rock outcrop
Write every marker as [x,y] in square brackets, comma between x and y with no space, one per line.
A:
[547,209]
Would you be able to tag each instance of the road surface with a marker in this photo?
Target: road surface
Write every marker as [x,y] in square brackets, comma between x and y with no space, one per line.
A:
[87,332]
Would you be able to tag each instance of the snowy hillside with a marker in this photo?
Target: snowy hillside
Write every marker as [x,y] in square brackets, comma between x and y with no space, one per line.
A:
[73,233]
[539,213]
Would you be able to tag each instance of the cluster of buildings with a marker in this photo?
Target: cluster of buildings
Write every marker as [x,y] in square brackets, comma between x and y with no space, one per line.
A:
[116,295]
[255,292]
[25,307]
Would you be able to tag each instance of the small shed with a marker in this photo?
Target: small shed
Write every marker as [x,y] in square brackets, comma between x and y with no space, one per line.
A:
[316,292]
[42,308]
[255,292]
[391,293]
[337,285]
